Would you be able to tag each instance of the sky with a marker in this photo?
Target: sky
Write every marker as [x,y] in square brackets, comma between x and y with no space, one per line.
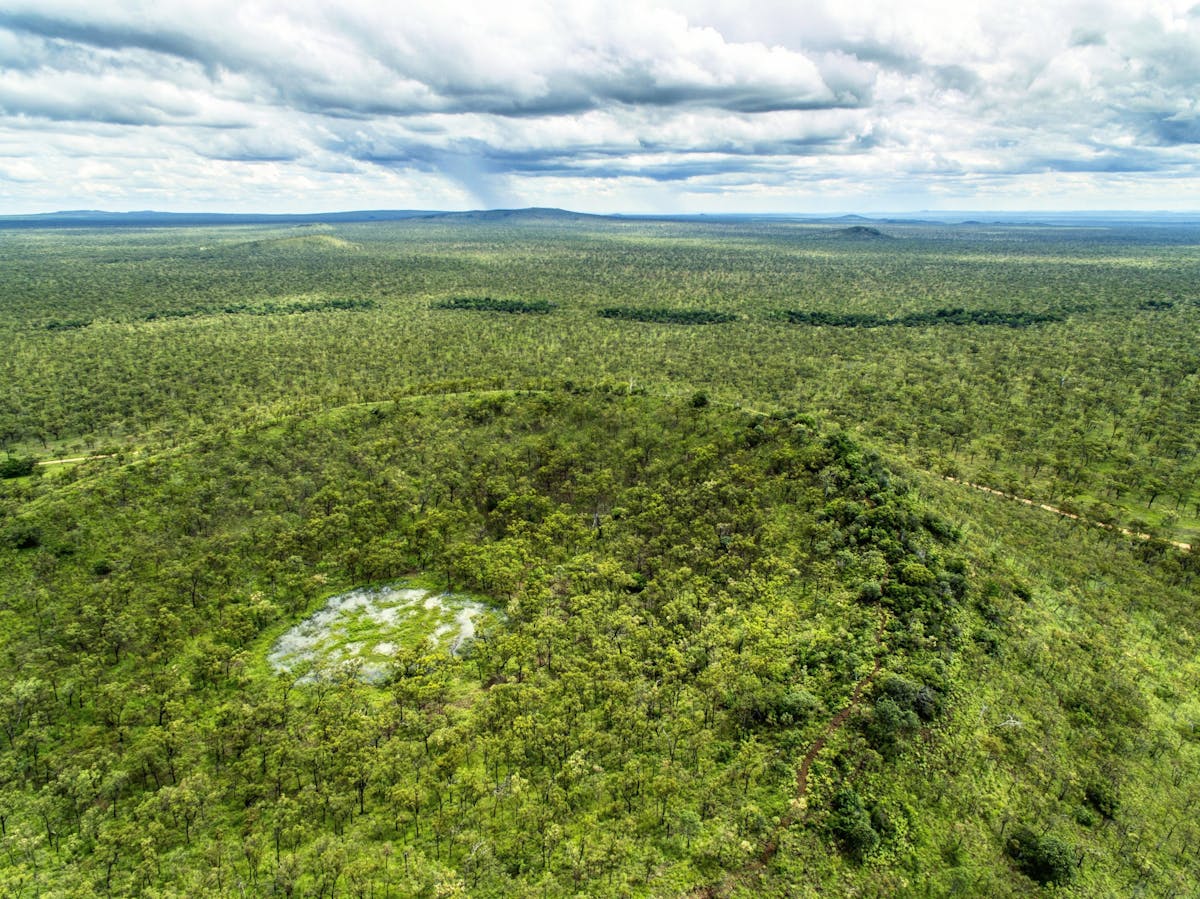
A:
[616,106]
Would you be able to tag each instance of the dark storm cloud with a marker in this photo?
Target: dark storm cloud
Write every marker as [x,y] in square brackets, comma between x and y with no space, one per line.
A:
[479,165]
[1087,37]
[105,110]
[249,148]
[108,36]
[563,99]
[958,78]
[1106,162]
[1175,130]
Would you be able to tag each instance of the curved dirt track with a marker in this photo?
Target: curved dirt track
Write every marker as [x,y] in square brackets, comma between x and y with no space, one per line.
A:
[727,883]
[1186,547]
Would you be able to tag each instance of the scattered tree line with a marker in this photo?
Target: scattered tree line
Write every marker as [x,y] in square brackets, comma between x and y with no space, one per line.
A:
[661,315]
[492,304]
[268,307]
[955,316]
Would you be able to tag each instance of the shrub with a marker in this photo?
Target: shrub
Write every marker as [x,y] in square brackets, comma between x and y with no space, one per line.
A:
[16,466]
[851,825]
[888,724]
[1046,859]
[23,535]
[1102,796]
[870,592]
[915,574]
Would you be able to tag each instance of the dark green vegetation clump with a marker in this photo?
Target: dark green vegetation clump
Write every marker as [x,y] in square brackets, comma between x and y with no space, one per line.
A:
[491,304]
[17,466]
[923,319]
[851,825]
[667,316]
[1046,859]
[69,324]
[860,232]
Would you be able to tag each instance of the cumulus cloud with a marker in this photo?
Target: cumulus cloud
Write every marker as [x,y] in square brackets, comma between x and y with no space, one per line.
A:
[628,104]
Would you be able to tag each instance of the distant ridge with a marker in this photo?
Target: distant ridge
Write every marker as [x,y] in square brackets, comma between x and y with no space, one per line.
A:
[530,214]
[93,218]
[90,218]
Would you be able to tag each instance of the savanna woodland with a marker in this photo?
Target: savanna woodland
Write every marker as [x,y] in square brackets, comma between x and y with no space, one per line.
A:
[548,556]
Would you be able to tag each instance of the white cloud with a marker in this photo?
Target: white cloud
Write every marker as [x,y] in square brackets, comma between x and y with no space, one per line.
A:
[291,105]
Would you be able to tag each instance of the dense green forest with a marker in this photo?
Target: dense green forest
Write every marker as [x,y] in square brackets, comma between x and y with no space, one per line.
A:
[744,636]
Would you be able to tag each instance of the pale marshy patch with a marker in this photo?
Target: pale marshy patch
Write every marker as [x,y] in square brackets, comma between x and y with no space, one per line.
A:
[369,625]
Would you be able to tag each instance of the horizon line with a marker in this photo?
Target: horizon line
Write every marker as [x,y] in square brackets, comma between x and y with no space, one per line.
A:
[563,210]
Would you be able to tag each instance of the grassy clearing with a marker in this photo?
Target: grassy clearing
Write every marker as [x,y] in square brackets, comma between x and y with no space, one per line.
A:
[368,626]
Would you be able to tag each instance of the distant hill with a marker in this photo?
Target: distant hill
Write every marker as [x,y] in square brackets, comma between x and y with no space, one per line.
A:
[860,232]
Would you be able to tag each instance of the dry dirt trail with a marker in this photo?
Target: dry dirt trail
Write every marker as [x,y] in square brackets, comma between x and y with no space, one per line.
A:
[1186,547]
[76,459]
